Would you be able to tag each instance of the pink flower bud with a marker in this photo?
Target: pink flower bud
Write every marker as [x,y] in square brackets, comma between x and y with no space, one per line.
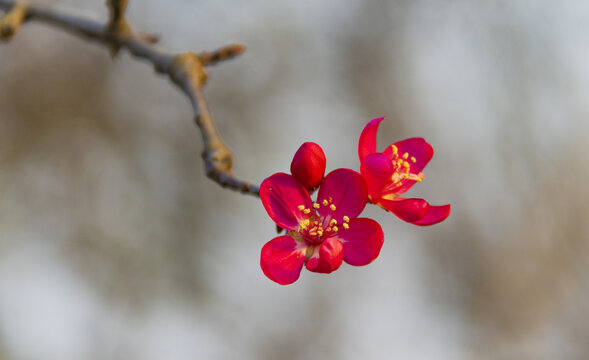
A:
[308,165]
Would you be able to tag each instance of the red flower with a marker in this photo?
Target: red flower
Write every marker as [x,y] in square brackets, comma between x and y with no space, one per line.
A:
[319,235]
[393,172]
[308,165]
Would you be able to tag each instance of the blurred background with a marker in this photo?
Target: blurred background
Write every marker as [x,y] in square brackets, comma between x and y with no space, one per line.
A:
[114,244]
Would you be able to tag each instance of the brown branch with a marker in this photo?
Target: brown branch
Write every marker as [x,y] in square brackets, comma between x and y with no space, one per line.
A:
[117,11]
[117,25]
[10,23]
[185,70]
[224,53]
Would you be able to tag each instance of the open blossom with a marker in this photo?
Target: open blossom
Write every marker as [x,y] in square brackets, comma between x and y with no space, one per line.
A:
[394,171]
[308,165]
[319,234]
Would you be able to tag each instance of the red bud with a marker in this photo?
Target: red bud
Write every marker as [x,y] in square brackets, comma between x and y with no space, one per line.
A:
[308,165]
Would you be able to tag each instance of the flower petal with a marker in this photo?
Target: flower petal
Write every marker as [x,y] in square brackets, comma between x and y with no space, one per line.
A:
[327,257]
[342,193]
[282,195]
[367,142]
[420,149]
[282,259]
[435,214]
[410,210]
[377,170]
[362,241]
[308,165]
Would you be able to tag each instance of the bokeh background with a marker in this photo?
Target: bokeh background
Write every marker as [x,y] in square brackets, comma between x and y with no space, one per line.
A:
[114,244]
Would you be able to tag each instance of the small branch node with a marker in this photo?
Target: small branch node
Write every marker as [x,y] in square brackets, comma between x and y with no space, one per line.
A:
[187,67]
[11,22]
[117,24]
[117,11]
[218,159]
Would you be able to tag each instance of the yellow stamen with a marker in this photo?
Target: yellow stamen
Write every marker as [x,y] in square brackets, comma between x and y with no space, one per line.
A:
[346,219]
[320,232]
[346,226]
[325,203]
[301,207]
[334,228]
[306,211]
[332,207]
[402,168]
[316,206]
[332,222]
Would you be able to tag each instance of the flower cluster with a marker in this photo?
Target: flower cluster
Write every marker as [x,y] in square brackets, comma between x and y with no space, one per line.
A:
[321,235]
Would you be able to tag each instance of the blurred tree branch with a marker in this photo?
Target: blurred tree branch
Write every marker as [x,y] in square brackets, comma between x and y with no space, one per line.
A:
[186,70]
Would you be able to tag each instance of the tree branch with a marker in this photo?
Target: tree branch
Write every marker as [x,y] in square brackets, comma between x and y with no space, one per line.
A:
[10,23]
[186,70]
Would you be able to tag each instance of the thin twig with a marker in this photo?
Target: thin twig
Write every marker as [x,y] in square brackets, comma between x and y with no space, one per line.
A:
[222,54]
[185,70]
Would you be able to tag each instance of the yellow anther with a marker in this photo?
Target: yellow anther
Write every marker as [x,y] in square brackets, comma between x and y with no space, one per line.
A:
[334,228]
[320,232]
[406,164]
[413,159]
[307,222]
[332,222]
[332,207]
[330,199]
[395,149]
[405,156]
[301,207]
[346,219]
[400,163]
[346,226]
[306,211]
[316,206]
[325,203]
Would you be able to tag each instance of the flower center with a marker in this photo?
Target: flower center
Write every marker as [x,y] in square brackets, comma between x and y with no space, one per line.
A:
[402,167]
[316,227]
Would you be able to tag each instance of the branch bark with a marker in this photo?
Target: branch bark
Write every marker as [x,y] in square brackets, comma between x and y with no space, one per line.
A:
[11,22]
[186,70]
